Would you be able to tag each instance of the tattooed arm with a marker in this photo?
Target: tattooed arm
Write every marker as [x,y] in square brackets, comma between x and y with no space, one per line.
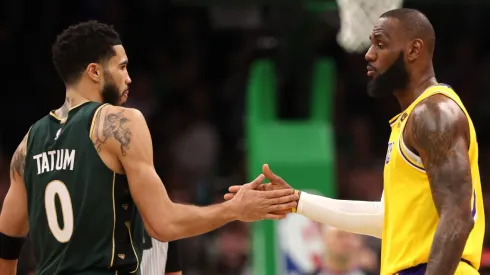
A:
[439,132]
[125,134]
[13,219]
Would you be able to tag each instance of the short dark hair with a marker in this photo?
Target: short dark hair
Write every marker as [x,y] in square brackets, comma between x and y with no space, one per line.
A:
[416,24]
[80,45]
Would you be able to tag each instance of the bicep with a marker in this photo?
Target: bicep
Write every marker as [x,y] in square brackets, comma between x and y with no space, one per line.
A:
[130,140]
[148,193]
[14,216]
[450,181]
[440,134]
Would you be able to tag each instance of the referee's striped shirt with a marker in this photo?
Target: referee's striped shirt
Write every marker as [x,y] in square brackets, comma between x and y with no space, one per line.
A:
[154,259]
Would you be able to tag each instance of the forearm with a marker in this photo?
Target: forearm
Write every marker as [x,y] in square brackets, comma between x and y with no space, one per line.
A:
[448,244]
[188,220]
[165,220]
[360,217]
[8,267]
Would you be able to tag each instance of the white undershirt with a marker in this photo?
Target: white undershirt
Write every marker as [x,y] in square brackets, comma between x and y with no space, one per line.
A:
[360,217]
[154,259]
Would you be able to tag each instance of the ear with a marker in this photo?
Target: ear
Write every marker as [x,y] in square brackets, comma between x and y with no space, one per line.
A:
[94,71]
[415,49]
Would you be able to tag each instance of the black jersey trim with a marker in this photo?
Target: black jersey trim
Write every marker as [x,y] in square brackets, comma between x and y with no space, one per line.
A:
[124,258]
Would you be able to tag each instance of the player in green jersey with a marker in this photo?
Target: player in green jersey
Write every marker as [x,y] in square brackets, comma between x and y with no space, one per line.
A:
[83,182]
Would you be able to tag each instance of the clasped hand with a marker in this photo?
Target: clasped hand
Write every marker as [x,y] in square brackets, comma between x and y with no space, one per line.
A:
[259,201]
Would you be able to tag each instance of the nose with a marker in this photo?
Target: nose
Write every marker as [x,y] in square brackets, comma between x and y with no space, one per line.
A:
[128,80]
[370,55]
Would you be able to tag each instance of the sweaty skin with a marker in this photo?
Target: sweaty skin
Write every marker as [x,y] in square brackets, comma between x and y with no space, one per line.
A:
[438,130]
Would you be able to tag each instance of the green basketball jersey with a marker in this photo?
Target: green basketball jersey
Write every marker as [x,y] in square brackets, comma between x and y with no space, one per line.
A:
[81,215]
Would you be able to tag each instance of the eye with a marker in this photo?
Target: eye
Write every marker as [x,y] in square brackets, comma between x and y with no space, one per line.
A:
[380,45]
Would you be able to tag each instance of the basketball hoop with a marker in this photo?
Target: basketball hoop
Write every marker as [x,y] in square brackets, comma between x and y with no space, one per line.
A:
[357,18]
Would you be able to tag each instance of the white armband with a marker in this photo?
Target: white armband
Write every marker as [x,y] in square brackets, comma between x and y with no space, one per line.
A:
[360,217]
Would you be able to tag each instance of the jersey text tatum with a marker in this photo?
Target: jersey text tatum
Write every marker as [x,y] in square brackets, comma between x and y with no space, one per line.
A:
[55,160]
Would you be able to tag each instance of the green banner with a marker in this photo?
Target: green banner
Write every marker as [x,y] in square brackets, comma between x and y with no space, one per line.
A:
[302,152]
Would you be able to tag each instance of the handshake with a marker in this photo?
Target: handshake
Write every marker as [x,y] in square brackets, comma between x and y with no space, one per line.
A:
[256,201]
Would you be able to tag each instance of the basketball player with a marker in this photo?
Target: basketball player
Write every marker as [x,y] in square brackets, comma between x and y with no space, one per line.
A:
[430,217]
[82,174]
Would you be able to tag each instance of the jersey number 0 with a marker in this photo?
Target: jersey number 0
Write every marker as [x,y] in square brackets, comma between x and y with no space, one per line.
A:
[53,189]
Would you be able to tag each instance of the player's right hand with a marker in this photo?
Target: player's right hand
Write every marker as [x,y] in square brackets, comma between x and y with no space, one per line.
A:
[276,183]
[253,205]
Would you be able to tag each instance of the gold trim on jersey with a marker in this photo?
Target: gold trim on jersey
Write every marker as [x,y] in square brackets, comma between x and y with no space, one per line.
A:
[128,225]
[114,215]
[27,139]
[63,120]
[409,156]
[93,120]
[394,119]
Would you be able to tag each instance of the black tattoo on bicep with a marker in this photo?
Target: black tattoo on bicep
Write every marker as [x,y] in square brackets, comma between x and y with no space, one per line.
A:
[18,162]
[113,126]
[439,133]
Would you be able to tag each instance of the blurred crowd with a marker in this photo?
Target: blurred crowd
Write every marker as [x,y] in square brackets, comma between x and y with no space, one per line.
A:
[189,69]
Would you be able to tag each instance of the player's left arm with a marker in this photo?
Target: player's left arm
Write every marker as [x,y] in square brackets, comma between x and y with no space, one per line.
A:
[14,224]
[439,132]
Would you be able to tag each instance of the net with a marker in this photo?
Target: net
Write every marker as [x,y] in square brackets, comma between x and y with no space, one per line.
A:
[357,18]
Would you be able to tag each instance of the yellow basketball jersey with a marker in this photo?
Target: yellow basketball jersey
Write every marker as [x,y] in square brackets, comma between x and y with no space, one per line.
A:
[410,215]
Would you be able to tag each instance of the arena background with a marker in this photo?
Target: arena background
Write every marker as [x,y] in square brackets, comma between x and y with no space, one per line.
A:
[228,85]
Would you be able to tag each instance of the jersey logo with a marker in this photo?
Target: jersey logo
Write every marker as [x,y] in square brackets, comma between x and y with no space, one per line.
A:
[57,134]
[403,117]
[388,154]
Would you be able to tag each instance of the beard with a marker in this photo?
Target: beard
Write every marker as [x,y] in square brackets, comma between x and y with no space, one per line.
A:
[394,78]
[110,92]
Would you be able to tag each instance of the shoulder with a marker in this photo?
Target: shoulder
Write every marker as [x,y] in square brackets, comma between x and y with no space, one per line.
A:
[438,113]
[112,117]
[115,127]
[118,111]
[438,109]
[437,121]
[41,123]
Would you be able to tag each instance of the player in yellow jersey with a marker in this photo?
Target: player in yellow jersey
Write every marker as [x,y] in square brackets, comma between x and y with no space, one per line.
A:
[430,217]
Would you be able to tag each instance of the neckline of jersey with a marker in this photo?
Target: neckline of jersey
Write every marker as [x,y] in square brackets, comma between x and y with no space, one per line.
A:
[395,118]
[63,120]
